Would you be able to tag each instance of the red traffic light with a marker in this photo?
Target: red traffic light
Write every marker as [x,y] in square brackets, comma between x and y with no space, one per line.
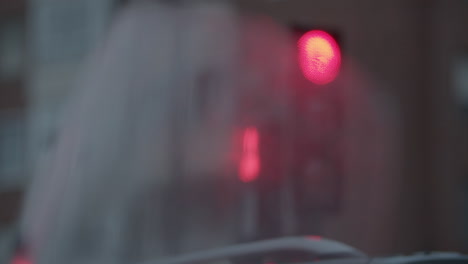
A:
[249,166]
[319,56]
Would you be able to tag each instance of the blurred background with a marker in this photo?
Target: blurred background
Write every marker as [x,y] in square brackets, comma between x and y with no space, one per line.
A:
[410,55]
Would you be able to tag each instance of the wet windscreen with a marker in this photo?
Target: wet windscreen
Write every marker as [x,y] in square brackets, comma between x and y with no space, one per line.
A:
[189,129]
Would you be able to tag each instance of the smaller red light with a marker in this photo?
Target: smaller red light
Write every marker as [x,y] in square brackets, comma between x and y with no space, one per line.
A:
[314,237]
[249,167]
[319,57]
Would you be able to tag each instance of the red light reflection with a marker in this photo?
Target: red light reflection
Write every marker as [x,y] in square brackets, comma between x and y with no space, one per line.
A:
[19,259]
[319,57]
[250,163]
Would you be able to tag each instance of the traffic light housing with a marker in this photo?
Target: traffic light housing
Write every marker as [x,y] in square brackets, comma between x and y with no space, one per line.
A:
[317,170]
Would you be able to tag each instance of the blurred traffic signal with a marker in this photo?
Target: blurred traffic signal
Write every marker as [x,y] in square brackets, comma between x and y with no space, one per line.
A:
[249,166]
[319,55]
[317,167]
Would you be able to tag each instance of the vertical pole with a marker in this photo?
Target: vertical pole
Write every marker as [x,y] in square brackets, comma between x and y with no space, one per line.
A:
[249,211]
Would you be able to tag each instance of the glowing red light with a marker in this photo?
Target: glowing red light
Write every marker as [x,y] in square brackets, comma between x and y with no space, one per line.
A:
[315,237]
[21,260]
[319,57]
[250,163]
